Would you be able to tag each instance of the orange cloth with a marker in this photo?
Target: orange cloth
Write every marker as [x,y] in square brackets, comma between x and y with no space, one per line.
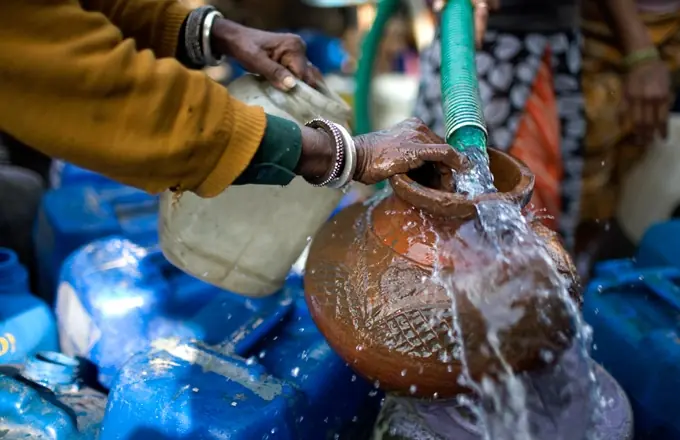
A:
[537,144]
[94,84]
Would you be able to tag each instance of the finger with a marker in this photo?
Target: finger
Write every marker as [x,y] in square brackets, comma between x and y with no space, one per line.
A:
[481,17]
[292,53]
[663,110]
[443,154]
[296,63]
[648,121]
[276,73]
[313,75]
[636,115]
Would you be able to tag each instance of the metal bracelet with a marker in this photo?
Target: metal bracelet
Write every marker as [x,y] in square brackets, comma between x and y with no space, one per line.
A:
[331,130]
[193,33]
[208,57]
[350,165]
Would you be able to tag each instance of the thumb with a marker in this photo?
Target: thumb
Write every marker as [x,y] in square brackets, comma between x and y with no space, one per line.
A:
[276,73]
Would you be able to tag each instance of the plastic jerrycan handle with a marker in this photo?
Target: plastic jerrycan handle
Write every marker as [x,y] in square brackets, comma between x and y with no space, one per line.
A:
[660,281]
[266,312]
[136,212]
[183,287]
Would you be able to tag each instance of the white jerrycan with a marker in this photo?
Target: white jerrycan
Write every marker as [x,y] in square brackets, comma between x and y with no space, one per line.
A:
[246,239]
[651,191]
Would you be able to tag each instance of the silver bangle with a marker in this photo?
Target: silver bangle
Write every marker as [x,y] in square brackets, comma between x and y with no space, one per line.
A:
[193,33]
[331,130]
[350,164]
[208,57]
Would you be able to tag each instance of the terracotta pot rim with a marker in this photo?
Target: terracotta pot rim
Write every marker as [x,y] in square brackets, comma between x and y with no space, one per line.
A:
[442,203]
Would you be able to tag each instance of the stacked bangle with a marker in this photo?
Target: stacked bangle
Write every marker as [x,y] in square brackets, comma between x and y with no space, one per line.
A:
[344,164]
[197,35]
[642,56]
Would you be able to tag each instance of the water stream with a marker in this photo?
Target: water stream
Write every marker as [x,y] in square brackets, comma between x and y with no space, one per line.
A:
[508,262]
[515,264]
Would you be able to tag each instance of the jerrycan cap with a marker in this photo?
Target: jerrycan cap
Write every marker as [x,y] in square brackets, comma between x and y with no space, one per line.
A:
[55,371]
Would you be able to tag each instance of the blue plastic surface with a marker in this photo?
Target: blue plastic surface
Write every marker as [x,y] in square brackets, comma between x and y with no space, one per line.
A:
[114,297]
[660,245]
[73,216]
[48,400]
[289,385]
[26,323]
[65,174]
[635,315]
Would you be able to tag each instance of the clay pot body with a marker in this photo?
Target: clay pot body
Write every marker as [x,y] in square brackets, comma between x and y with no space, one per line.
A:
[369,289]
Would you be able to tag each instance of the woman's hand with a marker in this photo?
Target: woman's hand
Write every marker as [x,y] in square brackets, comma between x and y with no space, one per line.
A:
[647,88]
[402,148]
[482,8]
[382,154]
[276,56]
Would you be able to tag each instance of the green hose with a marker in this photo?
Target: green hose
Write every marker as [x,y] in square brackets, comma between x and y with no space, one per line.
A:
[465,128]
[364,74]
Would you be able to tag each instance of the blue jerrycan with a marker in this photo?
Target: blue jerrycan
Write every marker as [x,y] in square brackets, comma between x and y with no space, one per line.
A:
[634,312]
[73,216]
[26,322]
[115,297]
[63,174]
[284,383]
[47,398]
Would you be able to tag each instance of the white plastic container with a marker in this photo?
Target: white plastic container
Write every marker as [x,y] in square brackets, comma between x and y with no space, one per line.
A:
[393,99]
[246,239]
[651,191]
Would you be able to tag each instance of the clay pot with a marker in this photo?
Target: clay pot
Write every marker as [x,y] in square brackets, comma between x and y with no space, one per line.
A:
[369,289]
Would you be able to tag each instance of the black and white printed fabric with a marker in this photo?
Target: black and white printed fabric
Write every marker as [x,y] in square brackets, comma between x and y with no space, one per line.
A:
[507,65]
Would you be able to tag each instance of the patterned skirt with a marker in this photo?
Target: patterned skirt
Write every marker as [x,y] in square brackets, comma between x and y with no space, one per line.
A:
[533,106]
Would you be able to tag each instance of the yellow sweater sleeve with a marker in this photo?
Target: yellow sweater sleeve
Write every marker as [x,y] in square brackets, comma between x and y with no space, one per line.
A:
[154,24]
[71,87]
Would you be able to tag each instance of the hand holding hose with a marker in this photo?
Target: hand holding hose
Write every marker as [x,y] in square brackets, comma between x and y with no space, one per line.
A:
[376,156]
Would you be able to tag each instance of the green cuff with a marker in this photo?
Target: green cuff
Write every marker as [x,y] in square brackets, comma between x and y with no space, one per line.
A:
[278,155]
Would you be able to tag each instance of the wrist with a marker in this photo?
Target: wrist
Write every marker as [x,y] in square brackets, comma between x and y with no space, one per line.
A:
[222,34]
[318,152]
[641,57]
[360,143]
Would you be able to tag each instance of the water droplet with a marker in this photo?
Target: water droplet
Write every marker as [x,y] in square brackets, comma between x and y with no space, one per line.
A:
[295,371]
[412,389]
[195,390]
[273,431]
[234,403]
[376,384]
[403,373]
[262,354]
[353,378]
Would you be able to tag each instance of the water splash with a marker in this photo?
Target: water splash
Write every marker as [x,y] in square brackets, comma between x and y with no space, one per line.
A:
[514,263]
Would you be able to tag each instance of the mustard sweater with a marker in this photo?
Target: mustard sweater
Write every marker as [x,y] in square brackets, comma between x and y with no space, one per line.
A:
[94,83]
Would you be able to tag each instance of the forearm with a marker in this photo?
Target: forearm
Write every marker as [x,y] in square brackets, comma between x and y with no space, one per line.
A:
[153,24]
[105,106]
[629,28]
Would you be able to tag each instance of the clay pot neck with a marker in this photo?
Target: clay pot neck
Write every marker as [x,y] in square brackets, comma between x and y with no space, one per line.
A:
[514,181]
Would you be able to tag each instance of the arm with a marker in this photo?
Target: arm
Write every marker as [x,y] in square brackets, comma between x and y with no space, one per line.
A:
[74,89]
[625,20]
[153,24]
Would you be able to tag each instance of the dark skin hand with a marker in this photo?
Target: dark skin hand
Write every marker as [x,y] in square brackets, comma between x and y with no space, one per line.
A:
[647,88]
[276,56]
[647,85]
[380,155]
